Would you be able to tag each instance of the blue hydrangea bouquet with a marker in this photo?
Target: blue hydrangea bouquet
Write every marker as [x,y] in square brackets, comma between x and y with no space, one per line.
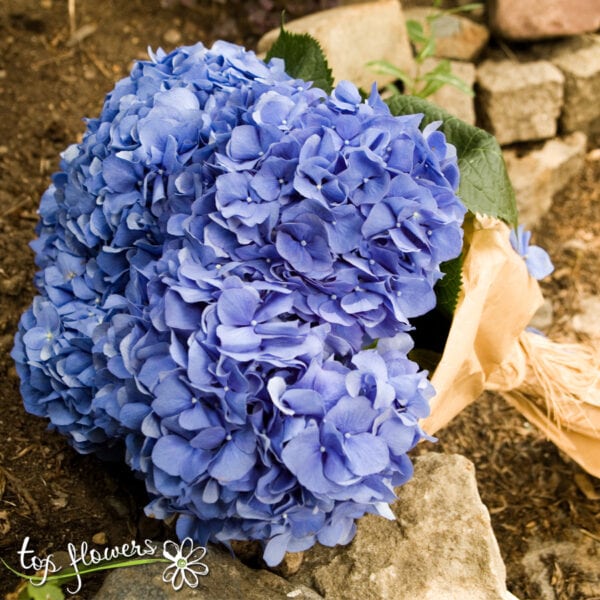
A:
[234,266]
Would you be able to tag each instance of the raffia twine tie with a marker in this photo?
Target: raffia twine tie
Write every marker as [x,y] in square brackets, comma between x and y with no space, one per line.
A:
[557,387]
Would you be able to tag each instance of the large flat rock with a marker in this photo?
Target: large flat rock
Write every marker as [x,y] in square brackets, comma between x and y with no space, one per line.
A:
[440,547]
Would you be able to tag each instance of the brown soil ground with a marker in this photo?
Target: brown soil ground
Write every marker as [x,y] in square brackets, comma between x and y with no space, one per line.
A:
[55,496]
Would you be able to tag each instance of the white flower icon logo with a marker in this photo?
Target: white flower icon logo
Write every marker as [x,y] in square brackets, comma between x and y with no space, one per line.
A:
[186,565]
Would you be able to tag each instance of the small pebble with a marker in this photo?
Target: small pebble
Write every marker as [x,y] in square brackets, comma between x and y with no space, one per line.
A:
[593,154]
[172,36]
[89,73]
[12,286]
[100,538]
[6,342]
[292,561]
[62,559]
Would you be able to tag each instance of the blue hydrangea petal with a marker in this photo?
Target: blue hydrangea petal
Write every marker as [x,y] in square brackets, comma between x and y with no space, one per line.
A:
[367,454]
[537,260]
[352,415]
[276,548]
[171,453]
[231,463]
[399,438]
[303,457]
[336,469]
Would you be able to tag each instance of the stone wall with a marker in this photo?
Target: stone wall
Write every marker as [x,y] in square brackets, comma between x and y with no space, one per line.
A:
[535,73]
[537,87]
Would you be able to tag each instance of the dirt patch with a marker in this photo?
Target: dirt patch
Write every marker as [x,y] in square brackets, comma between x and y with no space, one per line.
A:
[55,496]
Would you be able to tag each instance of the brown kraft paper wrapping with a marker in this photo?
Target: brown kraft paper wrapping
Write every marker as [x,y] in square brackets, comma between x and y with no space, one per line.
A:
[555,386]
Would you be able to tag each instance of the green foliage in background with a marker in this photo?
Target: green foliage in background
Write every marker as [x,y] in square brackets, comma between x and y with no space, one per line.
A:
[425,83]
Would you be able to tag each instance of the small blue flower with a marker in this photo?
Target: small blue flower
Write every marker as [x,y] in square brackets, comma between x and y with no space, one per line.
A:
[365,178]
[239,203]
[318,168]
[303,243]
[169,133]
[537,260]
[41,338]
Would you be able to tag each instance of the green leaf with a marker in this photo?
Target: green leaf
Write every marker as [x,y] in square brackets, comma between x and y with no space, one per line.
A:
[427,51]
[431,87]
[443,67]
[48,591]
[384,67]
[448,288]
[415,32]
[24,594]
[453,80]
[464,8]
[484,184]
[304,58]
[418,37]
[442,75]
[435,79]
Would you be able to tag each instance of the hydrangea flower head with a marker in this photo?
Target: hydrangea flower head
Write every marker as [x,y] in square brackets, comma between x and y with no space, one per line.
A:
[215,256]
